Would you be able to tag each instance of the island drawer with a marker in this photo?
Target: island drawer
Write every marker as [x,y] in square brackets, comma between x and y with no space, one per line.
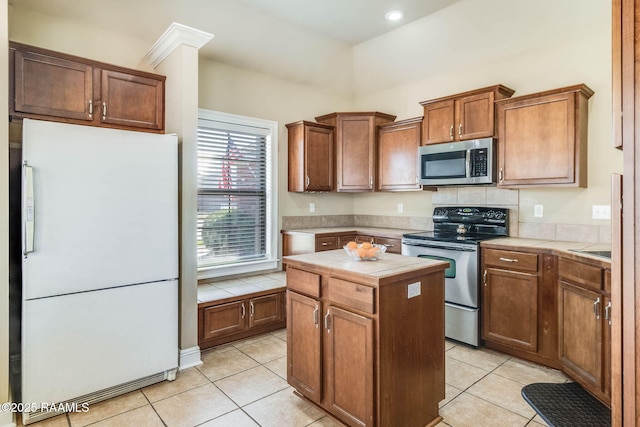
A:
[350,294]
[511,260]
[303,282]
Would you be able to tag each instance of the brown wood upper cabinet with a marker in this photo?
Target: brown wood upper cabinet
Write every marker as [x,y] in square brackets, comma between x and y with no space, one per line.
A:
[356,148]
[59,87]
[542,138]
[398,144]
[467,115]
[311,157]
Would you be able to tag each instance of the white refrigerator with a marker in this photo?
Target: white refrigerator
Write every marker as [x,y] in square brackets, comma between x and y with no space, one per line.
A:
[99,264]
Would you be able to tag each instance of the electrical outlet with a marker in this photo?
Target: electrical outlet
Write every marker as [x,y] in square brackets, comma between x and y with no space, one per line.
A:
[400,208]
[601,211]
[413,290]
[312,207]
[538,211]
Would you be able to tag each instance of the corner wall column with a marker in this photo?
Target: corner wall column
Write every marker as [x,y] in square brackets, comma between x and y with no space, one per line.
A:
[175,55]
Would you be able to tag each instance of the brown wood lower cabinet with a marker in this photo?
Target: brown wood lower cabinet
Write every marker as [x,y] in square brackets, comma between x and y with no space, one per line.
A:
[352,347]
[519,309]
[228,320]
[584,326]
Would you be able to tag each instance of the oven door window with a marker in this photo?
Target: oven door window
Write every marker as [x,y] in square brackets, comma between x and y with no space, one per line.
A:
[449,272]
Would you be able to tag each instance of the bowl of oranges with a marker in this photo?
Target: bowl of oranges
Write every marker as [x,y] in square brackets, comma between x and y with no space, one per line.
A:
[364,251]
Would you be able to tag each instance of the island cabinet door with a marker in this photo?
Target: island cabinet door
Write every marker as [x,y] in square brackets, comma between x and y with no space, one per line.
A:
[349,366]
[303,345]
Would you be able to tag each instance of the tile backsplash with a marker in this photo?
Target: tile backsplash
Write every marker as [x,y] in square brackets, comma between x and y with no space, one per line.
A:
[463,196]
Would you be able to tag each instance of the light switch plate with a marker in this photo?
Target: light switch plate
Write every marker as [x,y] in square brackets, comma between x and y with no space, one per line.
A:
[413,290]
[400,208]
[312,207]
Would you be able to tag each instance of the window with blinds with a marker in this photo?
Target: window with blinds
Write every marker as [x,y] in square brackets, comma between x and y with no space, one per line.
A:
[233,193]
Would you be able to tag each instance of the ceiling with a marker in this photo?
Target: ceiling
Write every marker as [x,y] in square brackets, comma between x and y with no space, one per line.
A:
[307,41]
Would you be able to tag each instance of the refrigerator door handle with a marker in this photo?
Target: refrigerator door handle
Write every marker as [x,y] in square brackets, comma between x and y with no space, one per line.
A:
[28,210]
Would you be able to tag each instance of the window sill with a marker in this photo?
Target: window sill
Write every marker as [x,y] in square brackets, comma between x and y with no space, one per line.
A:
[237,269]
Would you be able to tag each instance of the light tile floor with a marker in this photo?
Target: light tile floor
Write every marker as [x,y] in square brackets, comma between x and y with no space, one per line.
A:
[244,384]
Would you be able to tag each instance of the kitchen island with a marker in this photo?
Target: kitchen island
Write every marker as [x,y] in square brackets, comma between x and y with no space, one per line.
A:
[365,339]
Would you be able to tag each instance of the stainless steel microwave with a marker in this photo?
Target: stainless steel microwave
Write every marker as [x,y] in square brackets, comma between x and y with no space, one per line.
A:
[457,163]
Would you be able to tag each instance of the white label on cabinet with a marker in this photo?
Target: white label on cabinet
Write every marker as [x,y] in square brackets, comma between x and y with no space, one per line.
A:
[413,290]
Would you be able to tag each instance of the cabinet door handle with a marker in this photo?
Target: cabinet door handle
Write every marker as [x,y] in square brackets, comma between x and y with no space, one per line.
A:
[315,316]
[500,175]
[307,181]
[596,308]
[508,259]
[104,111]
[451,132]
[370,182]
[91,108]
[484,277]
[460,129]
[607,312]
[327,326]
[252,308]
[244,311]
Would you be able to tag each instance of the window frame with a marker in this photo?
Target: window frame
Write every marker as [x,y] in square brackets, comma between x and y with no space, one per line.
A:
[271,260]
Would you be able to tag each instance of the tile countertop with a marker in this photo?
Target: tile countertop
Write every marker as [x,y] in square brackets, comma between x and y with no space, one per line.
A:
[557,247]
[375,231]
[386,269]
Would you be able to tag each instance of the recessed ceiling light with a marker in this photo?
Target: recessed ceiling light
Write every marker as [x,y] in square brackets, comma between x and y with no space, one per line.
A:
[394,15]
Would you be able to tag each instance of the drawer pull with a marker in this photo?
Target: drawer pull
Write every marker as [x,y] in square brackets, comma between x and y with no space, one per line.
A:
[326,243]
[508,259]
[252,308]
[607,312]
[389,245]
[596,308]
[244,311]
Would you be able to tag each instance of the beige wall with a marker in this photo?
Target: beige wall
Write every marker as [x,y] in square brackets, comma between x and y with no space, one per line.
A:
[522,48]
[232,90]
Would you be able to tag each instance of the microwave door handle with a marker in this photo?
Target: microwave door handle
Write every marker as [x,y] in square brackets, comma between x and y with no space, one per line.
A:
[467,165]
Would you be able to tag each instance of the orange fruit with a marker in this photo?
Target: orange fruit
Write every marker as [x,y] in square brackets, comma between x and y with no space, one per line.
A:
[371,253]
[362,252]
[366,245]
[352,245]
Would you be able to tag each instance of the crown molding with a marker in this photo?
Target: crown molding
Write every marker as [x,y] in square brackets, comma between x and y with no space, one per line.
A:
[174,36]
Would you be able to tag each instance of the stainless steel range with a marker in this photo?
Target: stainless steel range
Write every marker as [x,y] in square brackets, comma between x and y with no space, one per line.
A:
[456,234]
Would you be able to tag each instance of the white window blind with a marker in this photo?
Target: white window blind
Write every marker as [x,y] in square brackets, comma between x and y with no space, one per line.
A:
[233,194]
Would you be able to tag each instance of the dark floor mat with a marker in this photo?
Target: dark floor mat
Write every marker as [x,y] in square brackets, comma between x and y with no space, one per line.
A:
[566,405]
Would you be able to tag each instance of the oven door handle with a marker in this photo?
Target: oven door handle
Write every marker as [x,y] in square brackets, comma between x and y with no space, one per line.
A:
[448,248]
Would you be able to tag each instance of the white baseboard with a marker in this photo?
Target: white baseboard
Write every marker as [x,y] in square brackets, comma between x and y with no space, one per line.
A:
[189,357]
[6,419]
